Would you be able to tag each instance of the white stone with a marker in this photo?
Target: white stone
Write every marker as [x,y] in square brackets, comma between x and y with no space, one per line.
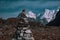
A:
[19,38]
[21,34]
[28,31]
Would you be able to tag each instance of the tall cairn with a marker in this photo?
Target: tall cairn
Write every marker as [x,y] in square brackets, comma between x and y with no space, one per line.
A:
[23,32]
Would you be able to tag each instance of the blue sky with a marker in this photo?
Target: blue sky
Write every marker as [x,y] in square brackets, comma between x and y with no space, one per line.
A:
[11,8]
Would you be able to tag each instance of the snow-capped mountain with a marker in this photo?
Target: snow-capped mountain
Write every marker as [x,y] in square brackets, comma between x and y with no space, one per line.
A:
[56,21]
[31,15]
[49,15]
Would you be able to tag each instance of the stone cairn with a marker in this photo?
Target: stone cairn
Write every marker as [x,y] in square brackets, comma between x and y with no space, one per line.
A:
[23,32]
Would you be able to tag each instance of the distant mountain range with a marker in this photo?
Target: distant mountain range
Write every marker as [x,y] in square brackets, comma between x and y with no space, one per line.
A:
[50,18]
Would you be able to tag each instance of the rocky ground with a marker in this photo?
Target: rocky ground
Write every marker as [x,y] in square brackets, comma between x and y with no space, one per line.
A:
[6,32]
[39,33]
[46,33]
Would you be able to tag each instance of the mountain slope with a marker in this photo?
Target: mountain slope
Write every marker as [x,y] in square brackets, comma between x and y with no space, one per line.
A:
[48,16]
[56,21]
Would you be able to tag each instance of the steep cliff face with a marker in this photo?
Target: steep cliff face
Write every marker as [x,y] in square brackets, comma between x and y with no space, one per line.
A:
[56,21]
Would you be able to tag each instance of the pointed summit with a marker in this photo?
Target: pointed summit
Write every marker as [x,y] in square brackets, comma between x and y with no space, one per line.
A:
[31,15]
[49,15]
[56,21]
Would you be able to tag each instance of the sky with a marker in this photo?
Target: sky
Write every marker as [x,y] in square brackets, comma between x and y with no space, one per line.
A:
[11,8]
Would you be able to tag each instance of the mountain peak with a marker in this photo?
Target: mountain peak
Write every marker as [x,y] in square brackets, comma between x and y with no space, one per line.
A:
[56,21]
[49,15]
[31,15]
